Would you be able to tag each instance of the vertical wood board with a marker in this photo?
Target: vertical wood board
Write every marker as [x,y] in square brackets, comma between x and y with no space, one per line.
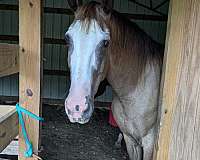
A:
[30,75]
[180,123]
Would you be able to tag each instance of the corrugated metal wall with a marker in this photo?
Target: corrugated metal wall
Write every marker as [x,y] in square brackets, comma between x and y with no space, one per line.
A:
[55,56]
[8,25]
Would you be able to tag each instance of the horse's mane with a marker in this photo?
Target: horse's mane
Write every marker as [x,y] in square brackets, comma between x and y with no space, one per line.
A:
[124,33]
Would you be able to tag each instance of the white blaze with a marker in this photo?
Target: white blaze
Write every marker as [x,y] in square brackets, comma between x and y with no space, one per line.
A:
[83,62]
[83,58]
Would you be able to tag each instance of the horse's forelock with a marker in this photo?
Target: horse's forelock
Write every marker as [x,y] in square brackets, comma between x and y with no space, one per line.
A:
[89,12]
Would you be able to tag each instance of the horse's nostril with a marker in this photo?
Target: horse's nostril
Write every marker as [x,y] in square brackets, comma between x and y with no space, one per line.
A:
[77,108]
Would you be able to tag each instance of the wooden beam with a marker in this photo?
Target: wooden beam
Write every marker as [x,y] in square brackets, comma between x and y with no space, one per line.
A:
[8,125]
[13,7]
[161,4]
[9,7]
[9,59]
[15,38]
[147,7]
[57,72]
[48,72]
[51,102]
[179,136]
[66,11]
[30,75]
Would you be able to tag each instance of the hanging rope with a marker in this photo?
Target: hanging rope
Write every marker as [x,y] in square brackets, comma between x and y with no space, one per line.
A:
[20,110]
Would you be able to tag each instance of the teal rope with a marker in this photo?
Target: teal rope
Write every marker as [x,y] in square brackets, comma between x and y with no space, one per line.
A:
[20,110]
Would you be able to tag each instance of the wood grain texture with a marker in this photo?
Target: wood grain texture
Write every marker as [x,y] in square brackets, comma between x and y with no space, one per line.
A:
[30,75]
[8,125]
[9,59]
[179,136]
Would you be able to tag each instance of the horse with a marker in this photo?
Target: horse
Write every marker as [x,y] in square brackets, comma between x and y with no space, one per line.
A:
[103,44]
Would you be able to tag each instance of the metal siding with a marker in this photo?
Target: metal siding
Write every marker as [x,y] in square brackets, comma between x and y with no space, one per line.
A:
[9,25]
[47,50]
[55,56]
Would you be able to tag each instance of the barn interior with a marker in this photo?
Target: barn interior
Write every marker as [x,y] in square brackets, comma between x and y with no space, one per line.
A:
[59,138]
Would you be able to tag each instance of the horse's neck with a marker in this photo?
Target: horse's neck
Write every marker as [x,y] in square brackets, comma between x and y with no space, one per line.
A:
[129,63]
[122,74]
[125,75]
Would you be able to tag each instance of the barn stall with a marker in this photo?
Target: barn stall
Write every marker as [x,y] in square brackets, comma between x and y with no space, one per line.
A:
[178,110]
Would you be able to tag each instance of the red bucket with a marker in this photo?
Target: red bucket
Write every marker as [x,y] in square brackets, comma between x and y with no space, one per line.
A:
[112,121]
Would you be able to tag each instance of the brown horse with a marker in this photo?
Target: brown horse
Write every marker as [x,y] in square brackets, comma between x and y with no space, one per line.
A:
[103,44]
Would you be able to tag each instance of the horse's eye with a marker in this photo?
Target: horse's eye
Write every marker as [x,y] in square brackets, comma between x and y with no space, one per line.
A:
[105,43]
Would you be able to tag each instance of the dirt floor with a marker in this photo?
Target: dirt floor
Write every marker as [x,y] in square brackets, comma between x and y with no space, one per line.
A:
[62,140]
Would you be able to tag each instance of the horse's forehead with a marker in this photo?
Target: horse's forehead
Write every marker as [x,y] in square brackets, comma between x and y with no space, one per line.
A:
[79,28]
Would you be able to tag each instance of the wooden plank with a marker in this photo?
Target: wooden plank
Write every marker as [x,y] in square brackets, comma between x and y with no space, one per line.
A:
[8,125]
[54,102]
[9,59]
[147,7]
[179,136]
[11,149]
[15,38]
[30,76]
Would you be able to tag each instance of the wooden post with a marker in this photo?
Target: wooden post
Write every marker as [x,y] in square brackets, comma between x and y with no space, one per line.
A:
[30,67]
[179,137]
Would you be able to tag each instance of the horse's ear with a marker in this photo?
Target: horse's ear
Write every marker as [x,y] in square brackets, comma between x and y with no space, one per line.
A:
[107,5]
[74,4]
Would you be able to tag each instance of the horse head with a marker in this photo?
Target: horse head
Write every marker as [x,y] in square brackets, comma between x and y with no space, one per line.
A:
[88,42]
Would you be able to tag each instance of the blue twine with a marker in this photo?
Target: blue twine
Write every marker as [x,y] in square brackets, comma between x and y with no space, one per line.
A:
[20,110]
